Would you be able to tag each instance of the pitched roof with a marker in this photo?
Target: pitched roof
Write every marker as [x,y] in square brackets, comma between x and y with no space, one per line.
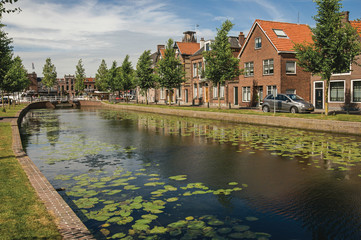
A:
[188,48]
[234,42]
[357,26]
[199,52]
[295,33]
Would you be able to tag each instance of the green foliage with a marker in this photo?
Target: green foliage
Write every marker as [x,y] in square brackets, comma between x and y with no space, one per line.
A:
[127,75]
[170,70]
[16,78]
[221,65]
[5,54]
[50,74]
[79,77]
[101,77]
[114,78]
[6,10]
[145,77]
[335,44]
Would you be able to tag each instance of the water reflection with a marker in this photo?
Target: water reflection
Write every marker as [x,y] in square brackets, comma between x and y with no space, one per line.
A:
[301,185]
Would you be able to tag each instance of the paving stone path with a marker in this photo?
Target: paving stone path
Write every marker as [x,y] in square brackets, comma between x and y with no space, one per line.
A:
[69,225]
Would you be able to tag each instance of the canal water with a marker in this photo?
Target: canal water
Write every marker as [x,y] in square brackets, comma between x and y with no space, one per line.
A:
[132,175]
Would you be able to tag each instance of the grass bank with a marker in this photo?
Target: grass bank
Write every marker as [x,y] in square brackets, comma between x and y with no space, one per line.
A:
[332,117]
[22,215]
[11,112]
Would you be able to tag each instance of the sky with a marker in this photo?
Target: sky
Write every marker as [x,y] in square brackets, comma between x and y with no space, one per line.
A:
[92,30]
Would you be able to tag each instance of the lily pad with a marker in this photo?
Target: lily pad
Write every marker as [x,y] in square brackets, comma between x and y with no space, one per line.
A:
[158,230]
[178,177]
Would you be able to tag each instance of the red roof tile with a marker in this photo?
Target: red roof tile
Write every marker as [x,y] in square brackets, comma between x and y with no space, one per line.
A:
[357,26]
[296,33]
[188,48]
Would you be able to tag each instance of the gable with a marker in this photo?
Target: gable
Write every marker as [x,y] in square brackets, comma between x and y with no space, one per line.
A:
[282,36]
[187,48]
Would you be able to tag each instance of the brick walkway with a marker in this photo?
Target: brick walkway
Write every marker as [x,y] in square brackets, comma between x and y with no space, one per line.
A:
[69,225]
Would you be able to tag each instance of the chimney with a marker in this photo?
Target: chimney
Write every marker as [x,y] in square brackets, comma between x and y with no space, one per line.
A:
[241,38]
[159,47]
[201,42]
[189,36]
[345,17]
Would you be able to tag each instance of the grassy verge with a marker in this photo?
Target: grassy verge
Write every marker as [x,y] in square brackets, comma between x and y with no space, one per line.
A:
[22,215]
[335,117]
[11,112]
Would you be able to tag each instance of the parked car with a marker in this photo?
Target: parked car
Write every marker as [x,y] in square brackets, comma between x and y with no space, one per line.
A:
[286,103]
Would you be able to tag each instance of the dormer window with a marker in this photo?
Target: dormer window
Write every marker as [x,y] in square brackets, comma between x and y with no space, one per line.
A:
[280,33]
[258,43]
[208,47]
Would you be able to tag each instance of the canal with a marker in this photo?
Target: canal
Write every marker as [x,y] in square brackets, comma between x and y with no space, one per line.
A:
[132,175]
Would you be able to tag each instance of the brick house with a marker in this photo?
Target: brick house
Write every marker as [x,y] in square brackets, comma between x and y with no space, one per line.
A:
[344,91]
[269,62]
[202,89]
[184,51]
[66,86]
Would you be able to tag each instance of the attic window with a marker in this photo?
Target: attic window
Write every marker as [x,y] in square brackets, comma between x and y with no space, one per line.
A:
[280,33]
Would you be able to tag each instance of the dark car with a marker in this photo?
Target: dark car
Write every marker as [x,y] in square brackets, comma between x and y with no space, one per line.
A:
[286,103]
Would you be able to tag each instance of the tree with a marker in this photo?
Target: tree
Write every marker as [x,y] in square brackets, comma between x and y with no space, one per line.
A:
[334,46]
[6,10]
[6,53]
[220,63]
[145,73]
[101,77]
[170,71]
[127,76]
[16,78]
[50,74]
[114,78]
[79,77]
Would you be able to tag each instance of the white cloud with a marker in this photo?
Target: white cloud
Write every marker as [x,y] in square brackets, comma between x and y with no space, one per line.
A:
[222,19]
[91,30]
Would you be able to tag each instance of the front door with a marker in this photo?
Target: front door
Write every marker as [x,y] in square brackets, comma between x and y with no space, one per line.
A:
[235,95]
[206,94]
[319,95]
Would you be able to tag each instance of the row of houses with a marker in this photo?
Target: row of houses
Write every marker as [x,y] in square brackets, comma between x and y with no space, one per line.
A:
[64,87]
[269,62]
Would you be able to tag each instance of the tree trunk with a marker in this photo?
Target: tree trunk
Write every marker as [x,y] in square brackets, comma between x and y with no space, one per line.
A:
[146,96]
[326,96]
[219,95]
[170,97]
[2,101]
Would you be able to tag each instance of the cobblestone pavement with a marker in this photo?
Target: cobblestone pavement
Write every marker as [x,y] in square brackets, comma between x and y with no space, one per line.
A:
[69,225]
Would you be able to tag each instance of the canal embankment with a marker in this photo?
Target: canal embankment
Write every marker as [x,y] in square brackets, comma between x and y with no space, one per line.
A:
[343,127]
[68,223]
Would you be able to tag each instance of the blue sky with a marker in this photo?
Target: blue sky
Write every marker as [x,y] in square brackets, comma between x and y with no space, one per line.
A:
[93,30]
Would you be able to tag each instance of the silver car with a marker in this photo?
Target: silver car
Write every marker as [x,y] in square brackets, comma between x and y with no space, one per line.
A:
[286,103]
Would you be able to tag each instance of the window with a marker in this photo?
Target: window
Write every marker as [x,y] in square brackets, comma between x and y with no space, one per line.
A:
[246,94]
[179,93]
[270,89]
[208,47]
[200,91]
[280,33]
[162,93]
[199,73]
[258,43]
[221,92]
[248,69]
[356,91]
[195,70]
[337,91]
[195,92]
[290,67]
[268,67]
[215,92]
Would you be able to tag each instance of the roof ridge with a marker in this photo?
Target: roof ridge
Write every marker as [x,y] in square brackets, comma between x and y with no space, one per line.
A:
[281,22]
